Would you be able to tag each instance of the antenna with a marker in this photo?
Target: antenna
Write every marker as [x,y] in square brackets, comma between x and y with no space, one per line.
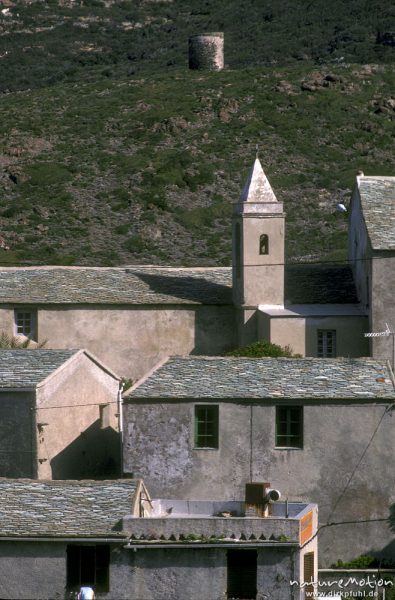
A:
[385,333]
[257,151]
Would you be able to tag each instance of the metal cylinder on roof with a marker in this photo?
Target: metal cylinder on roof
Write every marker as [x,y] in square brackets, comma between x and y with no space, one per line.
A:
[206,51]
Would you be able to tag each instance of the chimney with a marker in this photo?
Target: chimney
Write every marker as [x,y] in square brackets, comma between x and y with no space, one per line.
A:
[258,498]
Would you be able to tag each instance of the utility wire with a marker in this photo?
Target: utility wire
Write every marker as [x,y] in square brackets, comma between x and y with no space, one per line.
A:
[344,261]
[341,495]
[37,408]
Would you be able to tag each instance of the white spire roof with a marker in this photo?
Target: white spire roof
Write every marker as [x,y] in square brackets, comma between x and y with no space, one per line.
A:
[257,187]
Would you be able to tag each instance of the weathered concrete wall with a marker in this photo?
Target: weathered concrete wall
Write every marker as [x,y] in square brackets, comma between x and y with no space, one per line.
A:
[71,442]
[30,571]
[159,446]
[276,568]
[131,340]
[383,304]
[17,445]
[300,332]
[358,583]
[38,571]
[194,574]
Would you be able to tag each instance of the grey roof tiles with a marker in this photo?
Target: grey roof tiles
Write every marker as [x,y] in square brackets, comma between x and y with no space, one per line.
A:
[319,284]
[133,285]
[64,508]
[261,378]
[27,368]
[378,206]
[163,285]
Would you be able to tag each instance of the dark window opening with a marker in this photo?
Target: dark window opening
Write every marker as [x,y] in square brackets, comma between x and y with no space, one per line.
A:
[88,565]
[308,571]
[264,244]
[242,571]
[289,426]
[206,426]
[326,343]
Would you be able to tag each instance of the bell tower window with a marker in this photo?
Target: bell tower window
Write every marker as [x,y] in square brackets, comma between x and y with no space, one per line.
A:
[264,244]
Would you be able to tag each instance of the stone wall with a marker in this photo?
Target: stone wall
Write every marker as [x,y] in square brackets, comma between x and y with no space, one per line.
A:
[37,571]
[206,51]
[17,448]
[132,340]
[197,573]
[72,442]
[159,447]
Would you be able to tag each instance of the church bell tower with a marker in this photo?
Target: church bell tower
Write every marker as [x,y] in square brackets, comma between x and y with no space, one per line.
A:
[258,244]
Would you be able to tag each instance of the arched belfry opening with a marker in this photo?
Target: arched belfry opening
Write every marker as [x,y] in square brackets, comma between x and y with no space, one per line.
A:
[258,229]
[264,244]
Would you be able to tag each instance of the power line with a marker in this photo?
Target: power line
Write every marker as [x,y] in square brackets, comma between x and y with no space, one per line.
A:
[37,408]
[345,261]
[341,495]
[356,522]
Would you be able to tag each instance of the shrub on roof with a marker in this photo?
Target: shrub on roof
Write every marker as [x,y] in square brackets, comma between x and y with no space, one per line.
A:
[263,348]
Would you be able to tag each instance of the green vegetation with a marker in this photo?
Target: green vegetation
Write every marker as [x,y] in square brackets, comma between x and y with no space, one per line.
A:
[53,42]
[114,152]
[262,349]
[365,561]
[18,343]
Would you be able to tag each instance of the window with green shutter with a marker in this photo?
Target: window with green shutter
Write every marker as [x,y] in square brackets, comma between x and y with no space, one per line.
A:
[289,427]
[206,426]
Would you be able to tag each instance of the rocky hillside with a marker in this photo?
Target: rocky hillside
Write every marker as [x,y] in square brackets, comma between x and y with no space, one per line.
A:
[112,152]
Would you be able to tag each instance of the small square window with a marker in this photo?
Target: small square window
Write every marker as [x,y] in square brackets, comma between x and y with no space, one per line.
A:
[289,427]
[206,426]
[326,343]
[25,323]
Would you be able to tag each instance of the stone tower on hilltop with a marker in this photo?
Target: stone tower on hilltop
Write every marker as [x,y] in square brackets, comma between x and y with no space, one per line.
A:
[258,246]
[206,51]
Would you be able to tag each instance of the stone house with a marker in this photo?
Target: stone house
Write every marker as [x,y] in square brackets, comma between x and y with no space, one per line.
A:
[319,430]
[58,535]
[372,255]
[112,536]
[58,415]
[215,550]
[128,317]
[132,317]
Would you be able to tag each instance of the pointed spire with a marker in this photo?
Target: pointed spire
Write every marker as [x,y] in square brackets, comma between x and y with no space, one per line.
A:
[257,188]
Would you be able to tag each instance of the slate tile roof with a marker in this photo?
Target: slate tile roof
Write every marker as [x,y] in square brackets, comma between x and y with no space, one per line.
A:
[133,285]
[64,508]
[304,284]
[378,206]
[319,284]
[238,378]
[27,368]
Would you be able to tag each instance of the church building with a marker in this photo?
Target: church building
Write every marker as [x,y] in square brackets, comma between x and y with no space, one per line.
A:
[132,317]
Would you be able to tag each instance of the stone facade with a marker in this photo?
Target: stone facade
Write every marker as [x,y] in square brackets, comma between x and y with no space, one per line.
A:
[341,404]
[371,252]
[48,555]
[51,424]
[132,317]
[206,51]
